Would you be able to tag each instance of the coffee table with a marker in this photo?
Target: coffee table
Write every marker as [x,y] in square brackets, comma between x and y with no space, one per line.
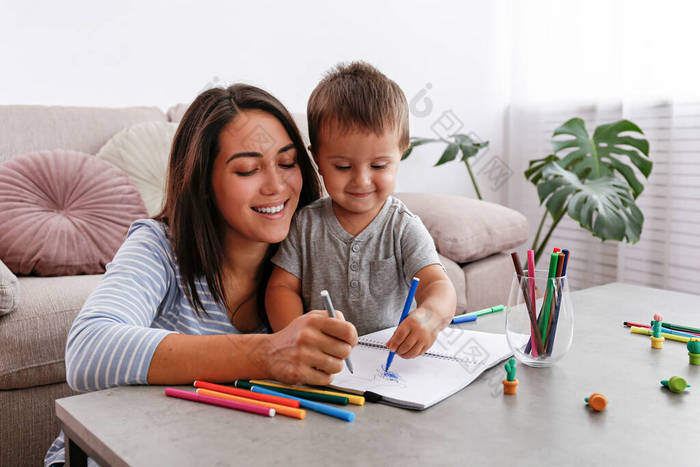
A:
[547,422]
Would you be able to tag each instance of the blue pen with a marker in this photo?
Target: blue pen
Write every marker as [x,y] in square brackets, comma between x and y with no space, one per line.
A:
[464,319]
[406,309]
[677,333]
[311,405]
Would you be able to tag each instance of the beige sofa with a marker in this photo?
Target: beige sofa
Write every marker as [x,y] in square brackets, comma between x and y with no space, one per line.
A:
[33,336]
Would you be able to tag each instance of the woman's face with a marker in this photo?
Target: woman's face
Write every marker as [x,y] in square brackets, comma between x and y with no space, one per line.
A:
[256,178]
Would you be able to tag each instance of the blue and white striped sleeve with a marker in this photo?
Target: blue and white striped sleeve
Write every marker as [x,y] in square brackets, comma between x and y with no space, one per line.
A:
[111,342]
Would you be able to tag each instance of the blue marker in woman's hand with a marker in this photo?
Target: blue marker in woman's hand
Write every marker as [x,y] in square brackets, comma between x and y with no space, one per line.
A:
[406,309]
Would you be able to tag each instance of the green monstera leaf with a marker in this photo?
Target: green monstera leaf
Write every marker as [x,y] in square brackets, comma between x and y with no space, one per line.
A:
[600,156]
[591,179]
[604,206]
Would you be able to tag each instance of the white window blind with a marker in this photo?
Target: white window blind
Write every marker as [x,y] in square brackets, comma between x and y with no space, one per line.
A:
[668,253]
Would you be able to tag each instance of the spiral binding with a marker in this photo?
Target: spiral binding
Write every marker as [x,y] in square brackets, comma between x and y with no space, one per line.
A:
[379,345]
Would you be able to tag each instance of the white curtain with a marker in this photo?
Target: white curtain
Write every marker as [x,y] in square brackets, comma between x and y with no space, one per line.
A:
[604,61]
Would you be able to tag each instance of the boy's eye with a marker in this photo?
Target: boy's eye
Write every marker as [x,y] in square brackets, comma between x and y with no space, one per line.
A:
[380,166]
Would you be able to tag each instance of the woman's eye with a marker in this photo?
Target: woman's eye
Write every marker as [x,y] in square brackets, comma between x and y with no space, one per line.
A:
[342,167]
[246,174]
[291,165]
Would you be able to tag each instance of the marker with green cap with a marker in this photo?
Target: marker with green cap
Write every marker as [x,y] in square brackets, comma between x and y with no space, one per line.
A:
[473,315]
[544,321]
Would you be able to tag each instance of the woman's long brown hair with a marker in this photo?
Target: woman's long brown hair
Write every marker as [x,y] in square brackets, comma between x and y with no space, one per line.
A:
[195,223]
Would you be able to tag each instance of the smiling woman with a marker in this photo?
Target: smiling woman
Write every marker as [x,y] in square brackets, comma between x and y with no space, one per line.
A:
[264,184]
[183,298]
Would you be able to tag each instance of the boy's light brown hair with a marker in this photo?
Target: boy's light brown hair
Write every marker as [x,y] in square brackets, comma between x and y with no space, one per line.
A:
[357,96]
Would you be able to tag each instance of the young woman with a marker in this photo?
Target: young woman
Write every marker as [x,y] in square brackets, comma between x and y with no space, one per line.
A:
[183,298]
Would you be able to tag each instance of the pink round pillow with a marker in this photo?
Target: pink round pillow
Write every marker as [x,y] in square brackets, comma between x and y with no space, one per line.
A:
[63,213]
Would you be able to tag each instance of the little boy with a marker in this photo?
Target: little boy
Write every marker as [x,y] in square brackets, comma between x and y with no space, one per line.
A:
[361,244]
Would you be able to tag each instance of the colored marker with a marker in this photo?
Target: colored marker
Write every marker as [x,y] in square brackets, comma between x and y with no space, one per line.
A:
[352,398]
[556,297]
[528,304]
[406,309]
[246,394]
[549,292]
[664,329]
[561,269]
[648,332]
[279,409]
[465,318]
[476,314]
[244,407]
[533,294]
[293,392]
[331,312]
[678,327]
[311,405]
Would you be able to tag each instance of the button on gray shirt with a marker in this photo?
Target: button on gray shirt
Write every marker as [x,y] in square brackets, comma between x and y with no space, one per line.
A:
[367,276]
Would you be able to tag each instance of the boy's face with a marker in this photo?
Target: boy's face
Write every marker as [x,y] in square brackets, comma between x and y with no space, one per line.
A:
[359,169]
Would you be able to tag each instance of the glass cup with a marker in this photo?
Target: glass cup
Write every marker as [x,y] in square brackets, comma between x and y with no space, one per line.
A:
[539,318]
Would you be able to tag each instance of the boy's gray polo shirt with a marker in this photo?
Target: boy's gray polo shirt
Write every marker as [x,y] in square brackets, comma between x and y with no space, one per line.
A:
[367,276]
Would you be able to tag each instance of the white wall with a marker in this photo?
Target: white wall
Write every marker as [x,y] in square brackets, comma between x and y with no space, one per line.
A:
[159,53]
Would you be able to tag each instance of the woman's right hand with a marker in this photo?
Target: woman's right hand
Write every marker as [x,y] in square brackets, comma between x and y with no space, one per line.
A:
[310,349]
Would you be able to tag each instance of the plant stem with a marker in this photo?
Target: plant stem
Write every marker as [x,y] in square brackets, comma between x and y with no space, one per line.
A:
[471,175]
[540,249]
[539,230]
[537,237]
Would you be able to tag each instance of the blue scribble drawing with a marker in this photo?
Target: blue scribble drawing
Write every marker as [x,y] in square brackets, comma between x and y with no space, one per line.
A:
[390,375]
[391,378]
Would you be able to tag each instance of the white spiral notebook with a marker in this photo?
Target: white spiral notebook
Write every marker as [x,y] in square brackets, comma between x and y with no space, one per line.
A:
[456,359]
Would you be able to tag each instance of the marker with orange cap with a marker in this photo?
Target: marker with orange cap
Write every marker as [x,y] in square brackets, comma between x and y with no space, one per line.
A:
[280,409]
[247,394]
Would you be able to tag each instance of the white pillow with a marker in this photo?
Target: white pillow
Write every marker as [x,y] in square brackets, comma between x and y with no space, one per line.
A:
[142,152]
[9,290]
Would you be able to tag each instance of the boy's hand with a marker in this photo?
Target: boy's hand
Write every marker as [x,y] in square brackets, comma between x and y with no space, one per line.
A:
[415,334]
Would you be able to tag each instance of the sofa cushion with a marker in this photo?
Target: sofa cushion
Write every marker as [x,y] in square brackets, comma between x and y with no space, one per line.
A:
[34,336]
[466,229]
[488,281]
[63,213]
[176,112]
[142,151]
[9,290]
[28,128]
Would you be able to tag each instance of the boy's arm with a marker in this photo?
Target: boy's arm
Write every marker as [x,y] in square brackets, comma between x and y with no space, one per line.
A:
[437,300]
[437,295]
[283,301]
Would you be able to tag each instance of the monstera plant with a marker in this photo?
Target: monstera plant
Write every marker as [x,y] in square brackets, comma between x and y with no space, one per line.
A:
[592,180]
[456,144]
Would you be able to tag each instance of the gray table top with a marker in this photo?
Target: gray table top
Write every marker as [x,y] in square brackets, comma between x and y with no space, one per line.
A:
[547,421]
